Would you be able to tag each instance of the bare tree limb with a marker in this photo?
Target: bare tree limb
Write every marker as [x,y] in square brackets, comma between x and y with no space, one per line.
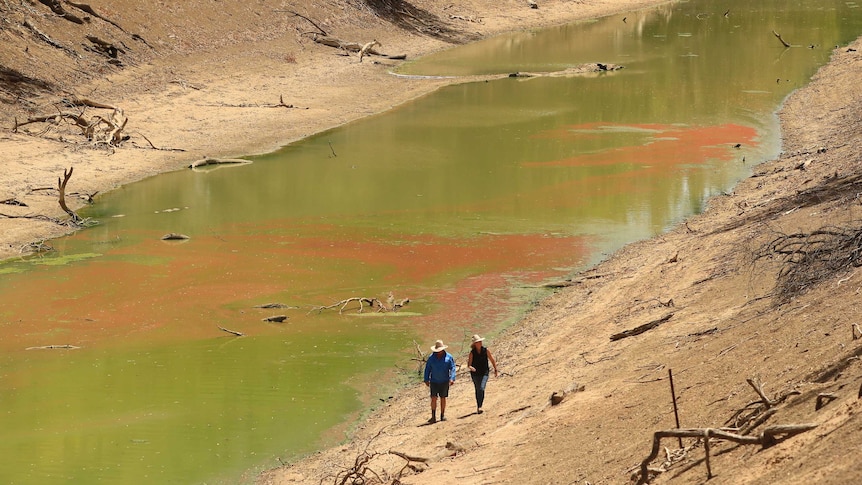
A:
[642,328]
[778,36]
[61,186]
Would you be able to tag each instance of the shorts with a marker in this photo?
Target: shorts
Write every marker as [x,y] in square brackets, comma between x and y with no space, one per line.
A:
[440,389]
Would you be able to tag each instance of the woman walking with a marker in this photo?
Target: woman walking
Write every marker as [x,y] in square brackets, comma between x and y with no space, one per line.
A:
[477,362]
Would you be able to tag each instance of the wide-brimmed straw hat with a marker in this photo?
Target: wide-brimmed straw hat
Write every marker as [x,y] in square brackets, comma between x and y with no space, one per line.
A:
[438,346]
[477,338]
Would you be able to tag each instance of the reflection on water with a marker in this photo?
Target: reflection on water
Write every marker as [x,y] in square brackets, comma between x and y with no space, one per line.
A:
[458,201]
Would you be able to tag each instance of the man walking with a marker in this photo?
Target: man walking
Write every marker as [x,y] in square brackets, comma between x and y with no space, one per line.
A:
[439,375]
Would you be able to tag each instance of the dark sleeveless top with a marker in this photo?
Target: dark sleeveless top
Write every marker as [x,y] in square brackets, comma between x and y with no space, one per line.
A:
[480,361]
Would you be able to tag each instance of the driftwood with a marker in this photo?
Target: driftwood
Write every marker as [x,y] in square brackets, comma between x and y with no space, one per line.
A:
[642,328]
[48,347]
[573,71]
[173,236]
[778,36]
[766,438]
[569,282]
[273,305]
[217,161]
[353,46]
[276,318]
[233,332]
[390,306]
[337,43]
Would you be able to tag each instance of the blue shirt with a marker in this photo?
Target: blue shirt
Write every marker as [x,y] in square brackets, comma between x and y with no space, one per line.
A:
[440,369]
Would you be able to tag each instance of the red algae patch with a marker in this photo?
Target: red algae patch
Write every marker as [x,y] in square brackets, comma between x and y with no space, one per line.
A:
[657,144]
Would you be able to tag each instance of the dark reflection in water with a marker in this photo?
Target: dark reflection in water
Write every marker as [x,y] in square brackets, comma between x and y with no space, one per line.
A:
[457,201]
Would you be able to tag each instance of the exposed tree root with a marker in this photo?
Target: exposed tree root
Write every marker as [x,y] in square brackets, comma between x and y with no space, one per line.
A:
[809,258]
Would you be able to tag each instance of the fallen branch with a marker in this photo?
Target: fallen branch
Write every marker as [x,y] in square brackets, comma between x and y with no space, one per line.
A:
[160,148]
[778,36]
[273,305]
[234,332]
[418,459]
[363,50]
[465,19]
[217,161]
[44,38]
[358,473]
[642,328]
[757,412]
[47,347]
[306,18]
[280,104]
[343,304]
[767,438]
[88,9]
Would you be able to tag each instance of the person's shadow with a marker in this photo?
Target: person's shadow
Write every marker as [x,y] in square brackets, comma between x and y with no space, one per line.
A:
[428,423]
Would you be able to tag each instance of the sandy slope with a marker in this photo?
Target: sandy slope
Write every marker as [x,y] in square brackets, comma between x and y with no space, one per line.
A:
[725,326]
